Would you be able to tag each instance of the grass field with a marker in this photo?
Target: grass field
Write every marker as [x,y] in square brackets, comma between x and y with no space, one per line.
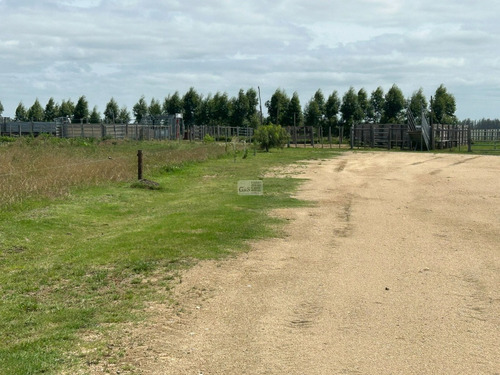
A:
[81,250]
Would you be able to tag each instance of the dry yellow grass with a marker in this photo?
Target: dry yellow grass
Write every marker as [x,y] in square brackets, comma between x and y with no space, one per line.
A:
[49,167]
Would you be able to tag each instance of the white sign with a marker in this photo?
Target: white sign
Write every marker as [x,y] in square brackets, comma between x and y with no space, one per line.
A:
[250,187]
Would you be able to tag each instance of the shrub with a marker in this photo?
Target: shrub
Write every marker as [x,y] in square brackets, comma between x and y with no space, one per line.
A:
[208,139]
[270,136]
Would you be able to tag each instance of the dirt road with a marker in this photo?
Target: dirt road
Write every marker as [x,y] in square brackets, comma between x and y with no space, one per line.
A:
[394,270]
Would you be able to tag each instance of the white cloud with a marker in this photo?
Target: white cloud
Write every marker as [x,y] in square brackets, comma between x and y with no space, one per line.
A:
[124,49]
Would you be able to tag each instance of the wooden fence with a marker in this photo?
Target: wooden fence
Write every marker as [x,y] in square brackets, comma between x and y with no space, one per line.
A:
[219,133]
[115,131]
[382,136]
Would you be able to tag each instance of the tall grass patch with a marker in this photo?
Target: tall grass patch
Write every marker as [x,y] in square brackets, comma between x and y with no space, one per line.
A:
[49,167]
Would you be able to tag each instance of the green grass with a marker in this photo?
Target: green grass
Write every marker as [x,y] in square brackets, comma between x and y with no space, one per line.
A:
[76,266]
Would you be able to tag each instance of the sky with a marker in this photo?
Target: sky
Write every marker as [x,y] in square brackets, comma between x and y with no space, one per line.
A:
[126,48]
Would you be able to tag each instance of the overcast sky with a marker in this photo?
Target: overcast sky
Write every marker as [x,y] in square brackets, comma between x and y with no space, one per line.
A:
[127,48]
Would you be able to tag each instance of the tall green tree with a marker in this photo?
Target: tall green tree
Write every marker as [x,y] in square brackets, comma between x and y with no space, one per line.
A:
[394,106]
[35,113]
[240,107]
[66,109]
[277,106]
[191,102]
[51,110]
[332,108]
[172,104]
[293,114]
[140,109]
[81,112]
[124,115]
[377,102]
[203,115]
[350,109]
[417,105]
[220,109]
[312,113]
[112,111]
[443,106]
[21,112]
[364,104]
[319,98]
[95,116]
[155,109]
[1,108]
[253,103]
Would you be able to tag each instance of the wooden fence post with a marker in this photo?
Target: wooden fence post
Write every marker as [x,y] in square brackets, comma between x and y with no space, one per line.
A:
[469,139]
[389,133]
[372,136]
[139,164]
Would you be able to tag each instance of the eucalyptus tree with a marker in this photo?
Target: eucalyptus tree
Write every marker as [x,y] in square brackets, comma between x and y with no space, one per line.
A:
[443,106]
[66,109]
[112,111]
[95,116]
[220,109]
[203,114]
[155,109]
[312,113]
[276,107]
[140,109]
[35,112]
[350,109]
[240,107]
[81,112]
[253,103]
[51,110]
[191,102]
[418,104]
[364,105]
[172,104]
[124,115]
[21,112]
[320,99]
[293,114]
[377,102]
[394,105]
[332,108]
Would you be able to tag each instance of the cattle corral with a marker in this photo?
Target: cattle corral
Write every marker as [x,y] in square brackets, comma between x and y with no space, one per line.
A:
[171,127]
[363,135]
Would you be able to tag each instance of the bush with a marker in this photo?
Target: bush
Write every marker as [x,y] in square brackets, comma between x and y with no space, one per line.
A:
[270,136]
[208,139]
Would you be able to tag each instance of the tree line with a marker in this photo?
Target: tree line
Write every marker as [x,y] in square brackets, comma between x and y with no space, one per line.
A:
[244,109]
[484,123]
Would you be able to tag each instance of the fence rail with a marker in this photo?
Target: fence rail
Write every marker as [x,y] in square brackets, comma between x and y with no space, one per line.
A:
[116,131]
[438,137]
[362,135]
[198,132]
[484,135]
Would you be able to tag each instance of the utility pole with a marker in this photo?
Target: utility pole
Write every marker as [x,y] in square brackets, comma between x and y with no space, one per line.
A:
[260,104]
[433,138]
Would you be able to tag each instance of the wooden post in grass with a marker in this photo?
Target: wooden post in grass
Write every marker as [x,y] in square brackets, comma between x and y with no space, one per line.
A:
[139,164]
[469,139]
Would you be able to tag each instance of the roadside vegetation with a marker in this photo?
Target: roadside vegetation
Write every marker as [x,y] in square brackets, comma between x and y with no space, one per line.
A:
[50,167]
[82,250]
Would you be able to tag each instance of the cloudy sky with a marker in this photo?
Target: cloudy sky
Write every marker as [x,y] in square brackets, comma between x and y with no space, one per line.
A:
[129,48]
